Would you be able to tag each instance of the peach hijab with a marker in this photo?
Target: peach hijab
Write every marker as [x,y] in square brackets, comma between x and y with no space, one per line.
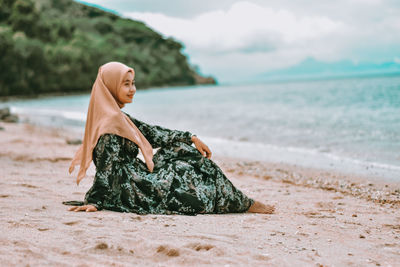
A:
[105,116]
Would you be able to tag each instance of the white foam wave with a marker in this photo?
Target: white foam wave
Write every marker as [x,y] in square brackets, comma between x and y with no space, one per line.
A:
[71,115]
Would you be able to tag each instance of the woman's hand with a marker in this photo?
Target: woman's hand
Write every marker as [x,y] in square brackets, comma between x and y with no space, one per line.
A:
[88,208]
[203,148]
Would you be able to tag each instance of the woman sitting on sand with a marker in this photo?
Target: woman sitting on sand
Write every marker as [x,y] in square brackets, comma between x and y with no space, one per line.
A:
[178,179]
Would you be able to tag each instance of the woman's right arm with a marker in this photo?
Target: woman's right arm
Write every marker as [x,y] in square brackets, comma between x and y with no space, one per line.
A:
[159,136]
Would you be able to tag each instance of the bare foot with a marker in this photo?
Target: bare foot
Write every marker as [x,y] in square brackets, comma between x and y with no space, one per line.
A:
[259,207]
[88,208]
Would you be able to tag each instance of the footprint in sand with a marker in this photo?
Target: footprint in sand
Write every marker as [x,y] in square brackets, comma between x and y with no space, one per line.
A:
[71,223]
[101,245]
[105,246]
[166,250]
[325,206]
[136,218]
[391,245]
[28,185]
[95,225]
[315,215]
[200,247]
[392,226]
[262,257]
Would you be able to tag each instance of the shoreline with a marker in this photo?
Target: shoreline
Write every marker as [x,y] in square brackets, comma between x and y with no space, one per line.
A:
[242,149]
[353,150]
[6,99]
[322,217]
[368,187]
[306,158]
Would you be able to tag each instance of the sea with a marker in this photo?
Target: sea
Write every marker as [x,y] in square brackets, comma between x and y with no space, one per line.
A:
[349,125]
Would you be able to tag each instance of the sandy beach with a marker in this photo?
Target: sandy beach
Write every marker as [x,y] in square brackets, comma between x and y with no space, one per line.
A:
[322,218]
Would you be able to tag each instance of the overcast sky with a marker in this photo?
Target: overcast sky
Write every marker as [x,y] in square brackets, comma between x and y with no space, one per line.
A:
[235,40]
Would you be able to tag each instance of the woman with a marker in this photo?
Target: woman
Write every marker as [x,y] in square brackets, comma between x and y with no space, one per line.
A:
[178,179]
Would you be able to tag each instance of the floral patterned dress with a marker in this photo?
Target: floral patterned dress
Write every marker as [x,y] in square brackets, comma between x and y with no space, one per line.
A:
[182,182]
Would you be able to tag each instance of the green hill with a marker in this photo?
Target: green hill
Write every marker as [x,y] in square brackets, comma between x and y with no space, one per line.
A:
[56,46]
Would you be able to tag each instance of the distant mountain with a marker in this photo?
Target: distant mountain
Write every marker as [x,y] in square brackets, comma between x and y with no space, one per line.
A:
[313,69]
[50,46]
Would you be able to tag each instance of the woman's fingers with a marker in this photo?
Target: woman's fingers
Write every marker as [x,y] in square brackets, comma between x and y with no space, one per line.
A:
[80,208]
[88,208]
[78,180]
[91,209]
[205,151]
[75,208]
[201,151]
[208,151]
[199,148]
[202,148]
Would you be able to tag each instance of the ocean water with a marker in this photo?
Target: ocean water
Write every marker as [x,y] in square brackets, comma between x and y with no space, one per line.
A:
[347,124]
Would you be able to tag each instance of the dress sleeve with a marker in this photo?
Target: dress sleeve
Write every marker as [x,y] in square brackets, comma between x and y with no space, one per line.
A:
[106,158]
[159,136]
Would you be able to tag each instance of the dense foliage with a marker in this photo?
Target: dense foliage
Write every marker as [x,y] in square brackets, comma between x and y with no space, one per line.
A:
[57,46]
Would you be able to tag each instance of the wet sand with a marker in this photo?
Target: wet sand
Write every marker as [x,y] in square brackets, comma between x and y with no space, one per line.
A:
[322,218]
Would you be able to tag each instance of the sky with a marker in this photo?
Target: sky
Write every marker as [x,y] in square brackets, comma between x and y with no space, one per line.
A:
[240,40]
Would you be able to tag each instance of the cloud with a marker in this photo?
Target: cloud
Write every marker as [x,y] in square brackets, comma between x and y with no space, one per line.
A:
[243,27]
[245,38]
[235,39]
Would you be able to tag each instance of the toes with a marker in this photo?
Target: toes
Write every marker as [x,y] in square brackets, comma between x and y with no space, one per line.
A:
[80,208]
[91,209]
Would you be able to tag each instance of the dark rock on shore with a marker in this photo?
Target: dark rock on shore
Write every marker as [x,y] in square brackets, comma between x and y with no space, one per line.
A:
[204,80]
[6,116]
[4,112]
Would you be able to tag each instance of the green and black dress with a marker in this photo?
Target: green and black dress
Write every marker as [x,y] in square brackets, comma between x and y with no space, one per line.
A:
[182,182]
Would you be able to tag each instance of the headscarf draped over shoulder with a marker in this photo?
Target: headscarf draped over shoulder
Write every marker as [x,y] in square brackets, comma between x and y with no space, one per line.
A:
[105,116]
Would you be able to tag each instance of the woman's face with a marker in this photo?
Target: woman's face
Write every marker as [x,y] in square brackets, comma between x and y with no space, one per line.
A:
[127,88]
